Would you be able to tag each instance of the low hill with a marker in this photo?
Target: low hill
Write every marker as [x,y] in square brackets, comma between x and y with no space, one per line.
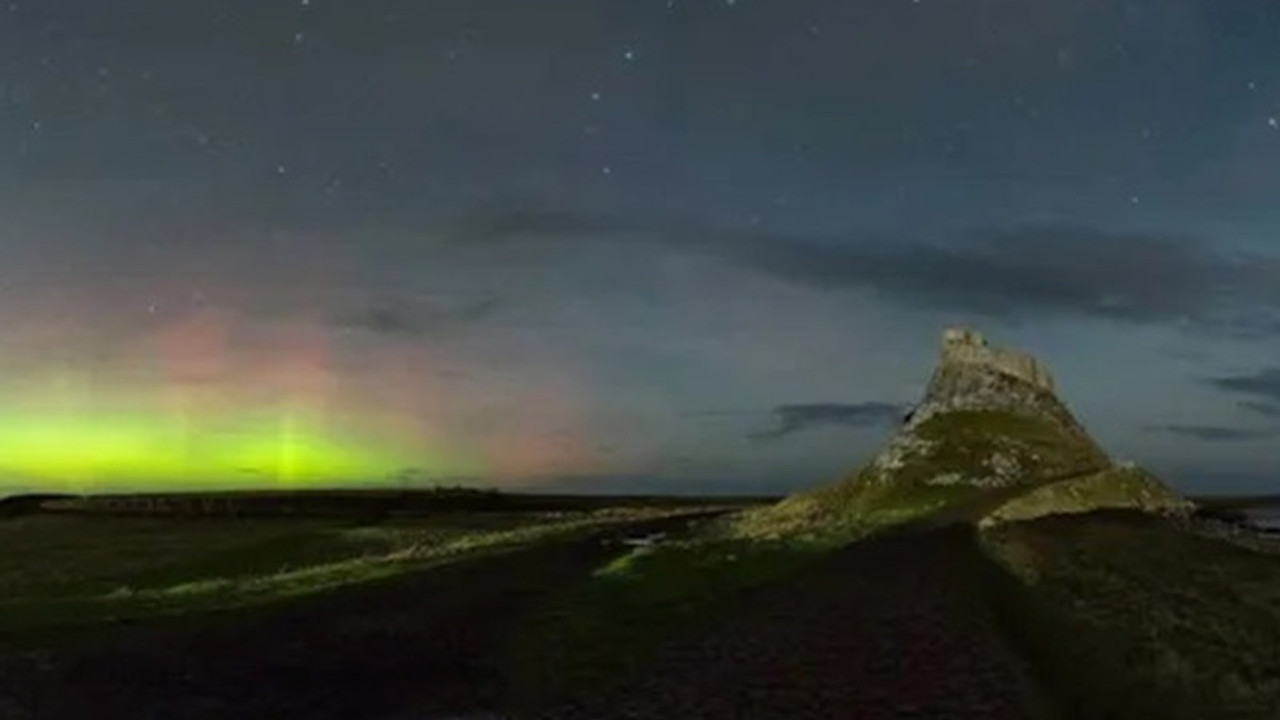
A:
[991,439]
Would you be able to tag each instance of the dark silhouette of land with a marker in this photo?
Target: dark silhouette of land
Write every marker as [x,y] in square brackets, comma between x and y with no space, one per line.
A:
[897,626]
[421,641]
[375,503]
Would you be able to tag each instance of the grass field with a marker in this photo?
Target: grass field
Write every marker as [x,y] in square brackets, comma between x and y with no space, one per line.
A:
[1132,616]
[1124,615]
[610,624]
[72,570]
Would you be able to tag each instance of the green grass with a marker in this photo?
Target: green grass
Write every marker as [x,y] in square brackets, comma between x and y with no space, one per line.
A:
[965,442]
[1115,488]
[1130,616]
[843,512]
[962,444]
[601,630]
[74,570]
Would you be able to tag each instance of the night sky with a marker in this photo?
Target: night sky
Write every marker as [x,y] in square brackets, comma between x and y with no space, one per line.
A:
[666,245]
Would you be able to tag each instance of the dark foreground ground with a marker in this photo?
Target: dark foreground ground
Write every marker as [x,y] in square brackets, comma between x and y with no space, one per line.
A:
[1101,616]
[893,627]
[418,646]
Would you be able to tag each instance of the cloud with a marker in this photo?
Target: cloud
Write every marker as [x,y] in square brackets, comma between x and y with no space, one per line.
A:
[1214,433]
[1014,272]
[398,319]
[1266,409]
[1033,270]
[792,419]
[1264,384]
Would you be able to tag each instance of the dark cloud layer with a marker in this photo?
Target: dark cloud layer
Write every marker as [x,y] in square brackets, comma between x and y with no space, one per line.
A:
[1265,409]
[1016,273]
[1025,271]
[1214,433]
[792,419]
[1262,385]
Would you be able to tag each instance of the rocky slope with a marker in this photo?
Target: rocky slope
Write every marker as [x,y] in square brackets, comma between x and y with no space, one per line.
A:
[989,430]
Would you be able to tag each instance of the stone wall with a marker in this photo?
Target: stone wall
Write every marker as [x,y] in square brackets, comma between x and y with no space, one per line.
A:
[965,346]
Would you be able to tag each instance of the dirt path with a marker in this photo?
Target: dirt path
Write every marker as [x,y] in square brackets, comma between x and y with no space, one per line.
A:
[424,641]
[896,627]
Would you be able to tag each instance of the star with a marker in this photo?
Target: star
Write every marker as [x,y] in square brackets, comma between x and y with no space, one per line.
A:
[298,37]
[629,55]
[281,169]
[606,170]
[595,95]
[1273,122]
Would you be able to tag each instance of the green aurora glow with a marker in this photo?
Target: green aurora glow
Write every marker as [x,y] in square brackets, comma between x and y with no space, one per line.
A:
[136,450]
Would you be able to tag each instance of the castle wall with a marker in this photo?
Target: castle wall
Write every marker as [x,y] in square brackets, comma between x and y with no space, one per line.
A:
[966,346]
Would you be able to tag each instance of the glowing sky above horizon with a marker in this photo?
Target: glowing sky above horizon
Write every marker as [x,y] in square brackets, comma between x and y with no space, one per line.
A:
[667,245]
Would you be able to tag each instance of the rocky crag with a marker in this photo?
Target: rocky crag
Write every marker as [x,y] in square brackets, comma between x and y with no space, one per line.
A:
[990,440]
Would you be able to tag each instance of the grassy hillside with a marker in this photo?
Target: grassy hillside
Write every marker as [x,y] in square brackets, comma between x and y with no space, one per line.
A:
[1114,488]
[949,459]
[1132,616]
[993,448]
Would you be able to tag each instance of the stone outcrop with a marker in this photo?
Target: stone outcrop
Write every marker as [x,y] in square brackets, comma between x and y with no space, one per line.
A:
[997,411]
[972,375]
[964,346]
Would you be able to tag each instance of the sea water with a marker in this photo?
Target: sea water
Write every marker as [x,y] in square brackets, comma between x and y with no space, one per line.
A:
[1267,517]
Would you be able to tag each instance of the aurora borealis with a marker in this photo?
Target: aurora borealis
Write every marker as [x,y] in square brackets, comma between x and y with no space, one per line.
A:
[679,245]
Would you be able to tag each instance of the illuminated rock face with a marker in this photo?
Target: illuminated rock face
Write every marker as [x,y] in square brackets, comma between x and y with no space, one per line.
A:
[973,375]
[968,347]
[989,417]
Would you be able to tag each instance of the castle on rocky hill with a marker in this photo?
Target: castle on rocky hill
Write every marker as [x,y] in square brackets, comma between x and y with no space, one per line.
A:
[965,346]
